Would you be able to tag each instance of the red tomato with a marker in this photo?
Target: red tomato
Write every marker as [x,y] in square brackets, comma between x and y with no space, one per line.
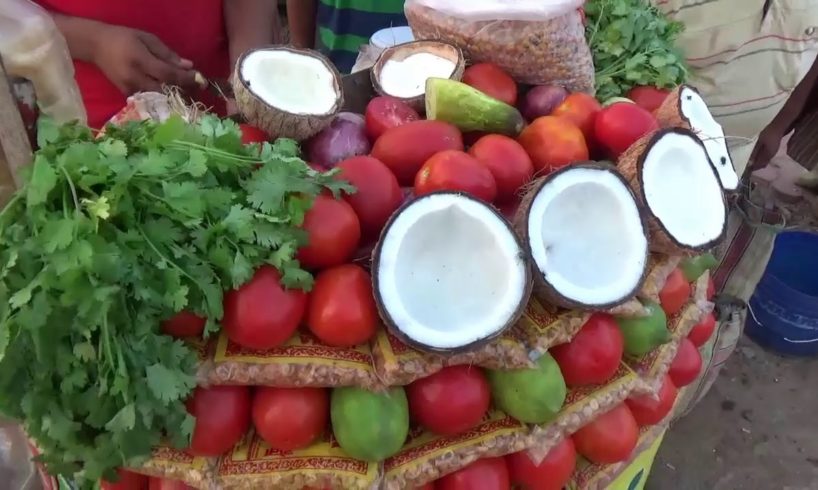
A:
[184,324]
[620,125]
[711,289]
[387,112]
[406,148]
[456,171]
[648,98]
[552,473]
[252,134]
[333,233]
[686,365]
[222,418]
[507,161]
[675,293]
[128,480]
[592,357]
[378,193]
[703,330]
[610,438]
[648,410]
[450,401]
[261,314]
[581,109]
[552,143]
[483,474]
[165,484]
[342,310]
[290,418]
[492,81]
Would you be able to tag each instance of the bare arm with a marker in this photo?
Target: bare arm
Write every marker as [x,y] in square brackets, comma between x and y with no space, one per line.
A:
[80,35]
[250,24]
[301,20]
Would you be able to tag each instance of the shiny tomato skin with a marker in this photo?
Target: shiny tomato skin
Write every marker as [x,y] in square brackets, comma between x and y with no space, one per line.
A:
[702,331]
[483,474]
[156,483]
[251,134]
[333,233]
[492,81]
[128,480]
[385,112]
[610,438]
[184,324]
[342,310]
[222,418]
[581,109]
[592,357]
[290,418]
[508,163]
[406,148]
[687,364]
[450,401]
[553,143]
[456,171]
[674,293]
[620,125]
[261,314]
[647,410]
[648,98]
[552,473]
[377,195]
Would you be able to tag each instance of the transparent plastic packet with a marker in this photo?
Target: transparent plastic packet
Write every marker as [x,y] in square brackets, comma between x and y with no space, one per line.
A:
[426,457]
[544,326]
[659,268]
[253,465]
[398,364]
[176,464]
[302,361]
[536,42]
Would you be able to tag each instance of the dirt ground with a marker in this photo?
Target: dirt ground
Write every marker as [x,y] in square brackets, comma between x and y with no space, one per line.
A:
[756,429]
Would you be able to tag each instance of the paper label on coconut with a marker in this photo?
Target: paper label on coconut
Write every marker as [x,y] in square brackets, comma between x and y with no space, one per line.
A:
[320,463]
[302,348]
[423,448]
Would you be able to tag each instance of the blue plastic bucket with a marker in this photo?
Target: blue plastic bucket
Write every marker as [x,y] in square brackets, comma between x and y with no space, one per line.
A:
[783,313]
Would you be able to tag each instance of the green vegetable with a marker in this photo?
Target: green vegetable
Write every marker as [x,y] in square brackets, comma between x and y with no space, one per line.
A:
[370,426]
[694,267]
[112,235]
[633,43]
[643,334]
[533,396]
[470,109]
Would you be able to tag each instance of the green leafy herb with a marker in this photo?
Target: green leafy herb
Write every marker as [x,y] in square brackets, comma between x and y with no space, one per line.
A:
[633,44]
[112,235]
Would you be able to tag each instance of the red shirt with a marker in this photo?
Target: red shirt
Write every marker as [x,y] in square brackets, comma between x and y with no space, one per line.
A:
[194,29]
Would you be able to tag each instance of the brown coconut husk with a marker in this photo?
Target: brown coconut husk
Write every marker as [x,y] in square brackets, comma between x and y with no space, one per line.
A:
[544,291]
[389,322]
[277,122]
[630,164]
[403,51]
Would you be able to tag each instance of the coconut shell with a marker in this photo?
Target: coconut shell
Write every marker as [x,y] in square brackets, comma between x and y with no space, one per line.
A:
[276,122]
[630,164]
[390,324]
[543,290]
[403,51]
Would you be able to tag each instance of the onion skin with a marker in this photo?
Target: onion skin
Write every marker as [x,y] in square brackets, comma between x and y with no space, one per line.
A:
[541,101]
[345,137]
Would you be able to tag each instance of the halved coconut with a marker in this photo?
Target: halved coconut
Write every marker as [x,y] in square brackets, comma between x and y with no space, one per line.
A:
[449,274]
[401,71]
[587,236]
[287,92]
[685,108]
[680,190]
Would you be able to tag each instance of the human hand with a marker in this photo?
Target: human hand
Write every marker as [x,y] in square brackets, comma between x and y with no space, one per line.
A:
[137,61]
[769,141]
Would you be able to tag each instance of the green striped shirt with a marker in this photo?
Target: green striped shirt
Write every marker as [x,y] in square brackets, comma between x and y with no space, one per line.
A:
[345,25]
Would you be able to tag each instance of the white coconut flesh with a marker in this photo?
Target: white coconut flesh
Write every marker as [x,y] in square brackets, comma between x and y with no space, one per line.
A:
[292,82]
[702,123]
[407,77]
[587,238]
[682,191]
[450,272]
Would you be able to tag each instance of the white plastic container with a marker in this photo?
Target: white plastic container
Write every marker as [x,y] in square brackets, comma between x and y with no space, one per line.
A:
[391,36]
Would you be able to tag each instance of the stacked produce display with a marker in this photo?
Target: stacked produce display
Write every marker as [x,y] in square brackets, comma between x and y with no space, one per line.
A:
[471,281]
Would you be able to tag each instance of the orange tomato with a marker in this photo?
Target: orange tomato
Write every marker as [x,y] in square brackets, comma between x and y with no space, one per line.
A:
[553,142]
[507,161]
[581,109]
[452,170]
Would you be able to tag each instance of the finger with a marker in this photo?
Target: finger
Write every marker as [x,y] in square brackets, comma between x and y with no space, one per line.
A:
[144,83]
[167,73]
[161,51]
